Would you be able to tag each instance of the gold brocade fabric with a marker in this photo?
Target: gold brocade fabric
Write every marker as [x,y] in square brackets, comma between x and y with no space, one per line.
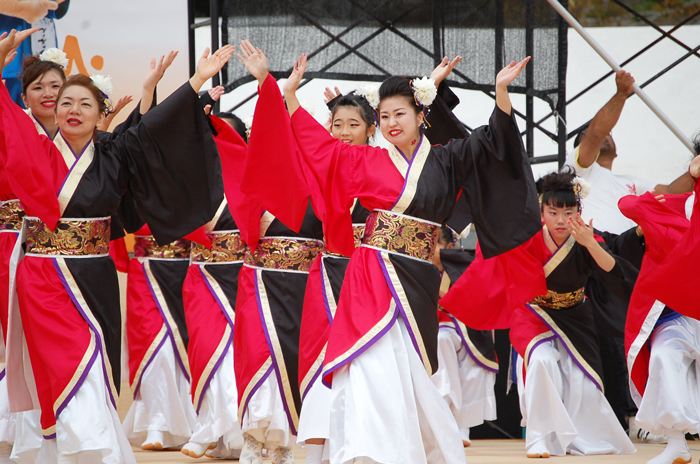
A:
[401,234]
[145,246]
[554,300]
[11,215]
[283,253]
[71,237]
[226,247]
[358,230]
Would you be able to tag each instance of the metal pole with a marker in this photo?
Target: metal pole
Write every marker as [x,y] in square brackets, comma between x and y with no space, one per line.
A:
[214,14]
[608,59]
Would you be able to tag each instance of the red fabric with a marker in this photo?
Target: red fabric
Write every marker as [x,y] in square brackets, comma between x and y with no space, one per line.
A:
[119,254]
[489,291]
[143,319]
[233,152]
[33,166]
[343,173]
[364,287]
[7,244]
[206,324]
[250,349]
[57,334]
[315,327]
[664,226]
[526,326]
[199,236]
[273,177]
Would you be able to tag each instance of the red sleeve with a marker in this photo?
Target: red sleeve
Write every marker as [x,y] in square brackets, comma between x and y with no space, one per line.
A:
[31,162]
[233,151]
[273,174]
[119,254]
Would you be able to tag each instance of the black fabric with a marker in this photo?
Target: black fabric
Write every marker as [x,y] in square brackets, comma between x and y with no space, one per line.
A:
[368,40]
[335,269]
[311,227]
[421,283]
[226,275]
[628,245]
[225,221]
[97,280]
[285,294]
[359,214]
[170,275]
[483,342]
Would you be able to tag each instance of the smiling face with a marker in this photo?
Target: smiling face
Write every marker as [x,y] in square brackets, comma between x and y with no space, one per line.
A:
[399,121]
[556,219]
[77,112]
[41,94]
[349,127]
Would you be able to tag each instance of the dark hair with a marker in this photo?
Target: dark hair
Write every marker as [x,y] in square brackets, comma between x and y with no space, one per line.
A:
[445,238]
[353,100]
[238,125]
[399,86]
[33,68]
[556,189]
[81,80]
[696,142]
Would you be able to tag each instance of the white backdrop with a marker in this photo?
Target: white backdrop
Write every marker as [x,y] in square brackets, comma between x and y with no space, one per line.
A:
[127,34]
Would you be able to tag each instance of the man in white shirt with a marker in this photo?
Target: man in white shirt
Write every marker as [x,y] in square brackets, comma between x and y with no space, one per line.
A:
[593,158]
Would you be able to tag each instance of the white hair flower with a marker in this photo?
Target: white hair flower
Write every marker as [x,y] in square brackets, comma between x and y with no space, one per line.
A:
[581,187]
[55,56]
[370,93]
[248,125]
[103,83]
[308,107]
[424,91]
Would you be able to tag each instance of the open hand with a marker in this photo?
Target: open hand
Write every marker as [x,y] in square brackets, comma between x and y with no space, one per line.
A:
[104,126]
[292,83]
[444,69]
[254,60]
[10,41]
[329,94]
[216,92]
[157,70]
[510,73]
[209,65]
[581,232]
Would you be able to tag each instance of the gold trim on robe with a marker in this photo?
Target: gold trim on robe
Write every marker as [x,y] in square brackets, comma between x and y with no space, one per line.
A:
[11,216]
[284,254]
[145,246]
[243,402]
[227,246]
[72,237]
[411,172]
[77,170]
[398,233]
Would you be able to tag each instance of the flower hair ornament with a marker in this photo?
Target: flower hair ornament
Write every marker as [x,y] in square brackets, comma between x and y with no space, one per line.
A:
[104,84]
[248,125]
[424,93]
[308,106]
[581,188]
[371,94]
[55,55]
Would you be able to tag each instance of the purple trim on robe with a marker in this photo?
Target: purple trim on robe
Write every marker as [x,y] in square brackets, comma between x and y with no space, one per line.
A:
[275,361]
[313,381]
[98,342]
[165,321]
[569,349]
[408,171]
[216,297]
[77,157]
[2,374]
[47,132]
[214,370]
[255,388]
[148,363]
[463,337]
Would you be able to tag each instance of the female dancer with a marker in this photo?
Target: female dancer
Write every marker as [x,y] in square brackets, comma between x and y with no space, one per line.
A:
[382,344]
[353,122]
[663,323]
[560,388]
[69,327]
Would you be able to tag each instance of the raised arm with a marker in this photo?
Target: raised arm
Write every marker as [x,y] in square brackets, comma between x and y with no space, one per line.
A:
[583,234]
[503,80]
[9,41]
[155,74]
[604,121]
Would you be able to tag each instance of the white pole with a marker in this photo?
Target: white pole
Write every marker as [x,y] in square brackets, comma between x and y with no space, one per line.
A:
[608,59]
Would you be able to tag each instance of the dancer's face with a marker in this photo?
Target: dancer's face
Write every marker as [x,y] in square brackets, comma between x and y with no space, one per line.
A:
[556,219]
[78,113]
[41,94]
[399,121]
[349,127]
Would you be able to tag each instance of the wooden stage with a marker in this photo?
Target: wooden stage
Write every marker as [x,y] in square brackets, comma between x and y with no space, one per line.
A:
[481,451]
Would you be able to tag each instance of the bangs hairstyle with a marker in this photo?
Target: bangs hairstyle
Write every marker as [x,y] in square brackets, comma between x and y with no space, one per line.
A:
[34,68]
[238,125]
[396,86]
[557,189]
[81,80]
[355,101]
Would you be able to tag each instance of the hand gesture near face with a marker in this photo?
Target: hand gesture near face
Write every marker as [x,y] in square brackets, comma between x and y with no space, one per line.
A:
[329,94]
[581,232]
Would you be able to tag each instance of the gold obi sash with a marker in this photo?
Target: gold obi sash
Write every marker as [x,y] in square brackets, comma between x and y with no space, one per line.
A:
[11,215]
[554,300]
[226,247]
[358,230]
[285,253]
[145,246]
[398,233]
[72,237]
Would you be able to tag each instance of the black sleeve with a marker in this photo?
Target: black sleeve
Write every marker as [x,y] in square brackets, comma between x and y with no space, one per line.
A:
[173,166]
[628,245]
[443,125]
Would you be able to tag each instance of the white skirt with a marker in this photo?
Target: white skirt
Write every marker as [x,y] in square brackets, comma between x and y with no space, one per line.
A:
[672,397]
[315,417]
[88,430]
[562,406]
[265,418]
[386,410]
[28,437]
[163,403]
[467,388]
[7,418]
[218,413]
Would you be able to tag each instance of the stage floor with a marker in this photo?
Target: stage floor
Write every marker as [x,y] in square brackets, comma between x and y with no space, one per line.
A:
[481,451]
